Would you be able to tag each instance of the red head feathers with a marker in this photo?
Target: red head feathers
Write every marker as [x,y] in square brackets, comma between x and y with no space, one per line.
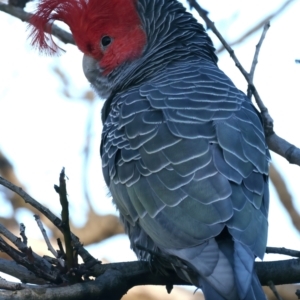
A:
[90,21]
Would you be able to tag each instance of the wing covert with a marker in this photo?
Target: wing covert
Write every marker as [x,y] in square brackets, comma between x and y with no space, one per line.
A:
[185,156]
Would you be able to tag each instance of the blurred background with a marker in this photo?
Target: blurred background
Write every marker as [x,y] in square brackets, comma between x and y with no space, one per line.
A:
[50,118]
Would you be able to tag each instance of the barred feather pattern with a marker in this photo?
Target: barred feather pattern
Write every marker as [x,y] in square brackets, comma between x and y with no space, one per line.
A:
[185,158]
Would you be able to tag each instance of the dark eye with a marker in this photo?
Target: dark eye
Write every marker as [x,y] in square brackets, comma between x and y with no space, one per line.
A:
[105,41]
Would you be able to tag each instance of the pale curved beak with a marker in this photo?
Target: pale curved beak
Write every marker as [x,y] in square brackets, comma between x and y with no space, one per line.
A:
[89,66]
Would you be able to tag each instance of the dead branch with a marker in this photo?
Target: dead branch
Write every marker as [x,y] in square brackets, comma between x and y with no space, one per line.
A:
[109,225]
[268,121]
[62,191]
[275,143]
[12,268]
[112,280]
[22,234]
[44,233]
[48,214]
[259,25]
[283,251]
[255,58]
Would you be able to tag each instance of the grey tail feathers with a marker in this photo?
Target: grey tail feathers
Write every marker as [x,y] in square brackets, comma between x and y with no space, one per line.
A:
[255,291]
[222,267]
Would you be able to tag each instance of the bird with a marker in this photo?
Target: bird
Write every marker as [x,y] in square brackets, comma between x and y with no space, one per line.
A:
[183,150]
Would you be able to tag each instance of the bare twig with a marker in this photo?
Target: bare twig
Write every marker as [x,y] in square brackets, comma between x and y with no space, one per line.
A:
[14,239]
[62,191]
[44,233]
[255,58]
[259,25]
[22,233]
[273,289]
[61,248]
[283,251]
[25,256]
[109,225]
[275,143]
[40,267]
[19,13]
[47,213]
[267,119]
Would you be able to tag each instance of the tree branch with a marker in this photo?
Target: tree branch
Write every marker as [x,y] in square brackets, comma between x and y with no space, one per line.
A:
[257,27]
[255,58]
[284,196]
[274,290]
[112,280]
[109,225]
[14,269]
[275,143]
[283,251]
[24,16]
[47,213]
[46,239]
[62,191]
[116,279]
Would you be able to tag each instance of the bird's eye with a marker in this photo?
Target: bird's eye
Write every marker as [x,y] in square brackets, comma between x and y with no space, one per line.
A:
[105,41]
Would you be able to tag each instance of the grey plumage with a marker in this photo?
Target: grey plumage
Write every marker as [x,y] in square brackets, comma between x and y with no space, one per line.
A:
[185,158]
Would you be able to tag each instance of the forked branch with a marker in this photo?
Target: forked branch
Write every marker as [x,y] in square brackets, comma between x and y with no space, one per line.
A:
[275,143]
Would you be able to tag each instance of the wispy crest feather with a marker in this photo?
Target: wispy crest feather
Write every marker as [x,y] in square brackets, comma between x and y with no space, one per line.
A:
[47,12]
[87,20]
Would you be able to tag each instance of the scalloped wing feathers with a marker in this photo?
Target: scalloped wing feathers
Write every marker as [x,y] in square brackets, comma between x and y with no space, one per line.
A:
[186,161]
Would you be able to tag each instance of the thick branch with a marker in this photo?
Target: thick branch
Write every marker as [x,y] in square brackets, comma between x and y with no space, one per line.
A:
[116,279]
[284,148]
